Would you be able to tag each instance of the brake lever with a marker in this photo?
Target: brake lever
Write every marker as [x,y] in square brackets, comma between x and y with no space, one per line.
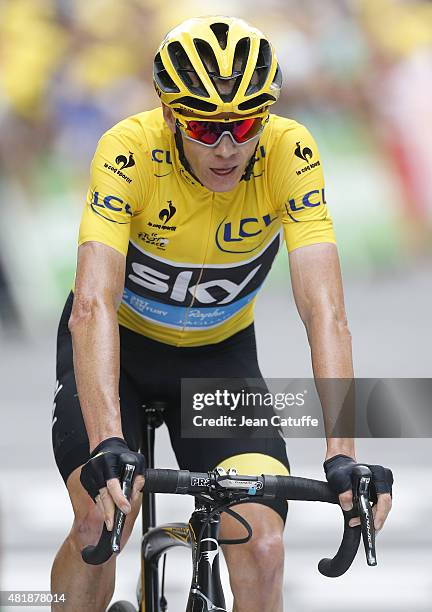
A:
[119,516]
[361,480]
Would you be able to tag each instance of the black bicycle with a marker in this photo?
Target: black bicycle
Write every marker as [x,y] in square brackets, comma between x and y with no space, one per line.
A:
[216,492]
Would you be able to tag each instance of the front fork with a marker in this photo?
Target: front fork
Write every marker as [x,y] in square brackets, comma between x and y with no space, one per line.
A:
[206,594]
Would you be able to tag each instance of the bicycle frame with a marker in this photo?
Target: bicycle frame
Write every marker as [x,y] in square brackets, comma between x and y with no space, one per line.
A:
[206,593]
[148,588]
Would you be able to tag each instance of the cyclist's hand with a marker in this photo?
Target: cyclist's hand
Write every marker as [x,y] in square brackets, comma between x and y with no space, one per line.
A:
[338,471]
[100,477]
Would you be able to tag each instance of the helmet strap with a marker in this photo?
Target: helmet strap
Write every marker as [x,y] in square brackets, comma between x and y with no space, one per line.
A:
[249,168]
[184,162]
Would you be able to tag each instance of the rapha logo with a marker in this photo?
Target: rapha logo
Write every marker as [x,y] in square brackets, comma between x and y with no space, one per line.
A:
[304,154]
[167,213]
[124,162]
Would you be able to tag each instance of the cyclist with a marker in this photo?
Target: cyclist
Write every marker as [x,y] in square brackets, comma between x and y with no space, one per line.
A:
[186,209]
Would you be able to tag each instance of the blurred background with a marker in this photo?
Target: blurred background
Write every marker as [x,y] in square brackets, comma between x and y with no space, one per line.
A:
[358,73]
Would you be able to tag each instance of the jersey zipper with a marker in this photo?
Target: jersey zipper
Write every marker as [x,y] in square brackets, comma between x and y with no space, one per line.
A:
[186,316]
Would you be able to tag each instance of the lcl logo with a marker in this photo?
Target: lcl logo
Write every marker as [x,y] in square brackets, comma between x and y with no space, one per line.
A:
[229,233]
[309,200]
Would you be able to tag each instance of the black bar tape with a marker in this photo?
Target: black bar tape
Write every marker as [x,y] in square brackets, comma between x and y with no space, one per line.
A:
[161,481]
[341,562]
[184,482]
[95,555]
[304,489]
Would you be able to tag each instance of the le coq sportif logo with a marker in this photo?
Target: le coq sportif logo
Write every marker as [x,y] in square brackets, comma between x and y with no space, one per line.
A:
[167,213]
[305,154]
[124,162]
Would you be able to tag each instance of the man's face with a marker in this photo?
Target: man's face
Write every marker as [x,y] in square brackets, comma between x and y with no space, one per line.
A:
[218,168]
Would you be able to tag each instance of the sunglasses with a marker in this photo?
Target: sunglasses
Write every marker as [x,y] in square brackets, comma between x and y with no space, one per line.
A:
[210,133]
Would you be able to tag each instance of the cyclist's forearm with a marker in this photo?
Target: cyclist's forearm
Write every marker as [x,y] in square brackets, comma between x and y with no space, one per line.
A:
[95,338]
[330,343]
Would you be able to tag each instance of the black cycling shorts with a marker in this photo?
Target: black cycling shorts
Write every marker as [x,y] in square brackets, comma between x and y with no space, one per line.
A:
[150,371]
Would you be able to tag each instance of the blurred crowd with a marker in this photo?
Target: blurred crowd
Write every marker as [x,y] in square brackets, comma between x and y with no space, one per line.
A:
[71,69]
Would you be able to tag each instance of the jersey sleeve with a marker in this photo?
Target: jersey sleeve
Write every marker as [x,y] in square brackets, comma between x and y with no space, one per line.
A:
[297,185]
[114,196]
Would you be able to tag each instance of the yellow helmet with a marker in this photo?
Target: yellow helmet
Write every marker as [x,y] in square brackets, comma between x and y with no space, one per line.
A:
[212,65]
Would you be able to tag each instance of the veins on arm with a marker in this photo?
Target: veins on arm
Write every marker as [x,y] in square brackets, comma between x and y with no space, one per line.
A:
[318,293]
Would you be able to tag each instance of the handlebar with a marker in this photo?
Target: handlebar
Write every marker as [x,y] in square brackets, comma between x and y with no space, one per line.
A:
[222,487]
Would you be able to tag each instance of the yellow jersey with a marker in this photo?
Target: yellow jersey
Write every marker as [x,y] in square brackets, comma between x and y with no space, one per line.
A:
[195,259]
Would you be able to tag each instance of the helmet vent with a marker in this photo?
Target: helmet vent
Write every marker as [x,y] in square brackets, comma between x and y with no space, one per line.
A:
[194,104]
[241,55]
[257,102]
[185,70]
[262,68]
[220,30]
[207,56]
[162,78]
[226,87]
[277,79]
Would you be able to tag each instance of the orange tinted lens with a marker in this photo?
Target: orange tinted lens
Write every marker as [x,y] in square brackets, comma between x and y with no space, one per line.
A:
[246,129]
[208,132]
[203,131]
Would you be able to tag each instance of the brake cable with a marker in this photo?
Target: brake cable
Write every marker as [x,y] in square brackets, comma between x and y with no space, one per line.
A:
[220,509]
